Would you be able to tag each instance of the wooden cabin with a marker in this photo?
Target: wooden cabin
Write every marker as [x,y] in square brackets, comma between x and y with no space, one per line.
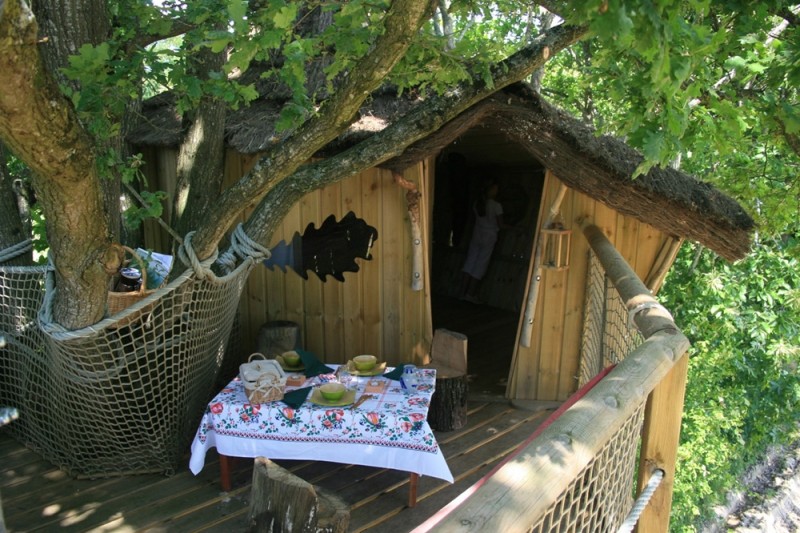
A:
[552,171]
[587,247]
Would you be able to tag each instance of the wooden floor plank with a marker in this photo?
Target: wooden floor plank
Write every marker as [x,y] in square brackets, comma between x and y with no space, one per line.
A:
[469,456]
[39,497]
[185,502]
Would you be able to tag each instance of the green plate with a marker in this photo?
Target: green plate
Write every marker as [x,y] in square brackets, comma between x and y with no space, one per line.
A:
[285,365]
[378,369]
[348,398]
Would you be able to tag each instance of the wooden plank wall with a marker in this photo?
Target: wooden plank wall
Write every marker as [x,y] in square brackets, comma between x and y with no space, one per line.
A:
[547,370]
[374,311]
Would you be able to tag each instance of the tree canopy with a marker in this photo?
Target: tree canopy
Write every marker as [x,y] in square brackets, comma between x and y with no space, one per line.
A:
[713,84]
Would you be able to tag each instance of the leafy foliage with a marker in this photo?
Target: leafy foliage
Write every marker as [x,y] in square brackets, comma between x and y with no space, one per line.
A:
[711,83]
[744,391]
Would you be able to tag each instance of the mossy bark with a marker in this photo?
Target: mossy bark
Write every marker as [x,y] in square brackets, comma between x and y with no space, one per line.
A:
[40,126]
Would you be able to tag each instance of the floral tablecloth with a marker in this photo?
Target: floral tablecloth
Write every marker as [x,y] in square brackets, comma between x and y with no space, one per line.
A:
[388,431]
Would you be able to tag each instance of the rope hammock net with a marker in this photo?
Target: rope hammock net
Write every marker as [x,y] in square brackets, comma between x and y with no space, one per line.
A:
[124,395]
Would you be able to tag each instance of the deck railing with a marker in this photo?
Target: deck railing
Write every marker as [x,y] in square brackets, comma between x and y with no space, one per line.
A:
[578,474]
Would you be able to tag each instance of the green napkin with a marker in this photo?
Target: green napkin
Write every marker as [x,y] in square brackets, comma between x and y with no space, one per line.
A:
[296,397]
[313,365]
[395,374]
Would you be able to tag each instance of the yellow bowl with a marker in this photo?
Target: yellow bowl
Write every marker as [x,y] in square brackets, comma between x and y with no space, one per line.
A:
[291,358]
[332,391]
[365,362]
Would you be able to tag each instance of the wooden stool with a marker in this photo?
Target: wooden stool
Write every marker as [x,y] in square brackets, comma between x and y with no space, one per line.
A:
[448,409]
[281,501]
[278,336]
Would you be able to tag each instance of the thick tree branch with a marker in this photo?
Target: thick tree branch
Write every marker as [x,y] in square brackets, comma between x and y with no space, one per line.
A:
[39,125]
[401,23]
[395,139]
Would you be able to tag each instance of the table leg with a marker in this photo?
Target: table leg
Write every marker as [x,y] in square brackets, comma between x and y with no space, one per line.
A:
[412,489]
[225,472]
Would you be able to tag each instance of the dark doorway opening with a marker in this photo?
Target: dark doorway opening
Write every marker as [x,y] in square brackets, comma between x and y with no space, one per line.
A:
[491,323]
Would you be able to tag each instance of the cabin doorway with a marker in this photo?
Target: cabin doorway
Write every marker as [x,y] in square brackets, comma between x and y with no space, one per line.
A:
[491,323]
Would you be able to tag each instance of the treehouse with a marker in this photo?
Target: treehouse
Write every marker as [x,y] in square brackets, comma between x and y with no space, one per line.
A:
[574,273]
[567,321]
[555,178]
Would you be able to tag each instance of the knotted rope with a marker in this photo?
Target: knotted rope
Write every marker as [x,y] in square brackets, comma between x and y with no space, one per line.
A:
[16,250]
[242,247]
[189,257]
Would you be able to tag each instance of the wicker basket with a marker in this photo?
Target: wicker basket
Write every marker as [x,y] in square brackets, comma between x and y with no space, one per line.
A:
[118,301]
[263,379]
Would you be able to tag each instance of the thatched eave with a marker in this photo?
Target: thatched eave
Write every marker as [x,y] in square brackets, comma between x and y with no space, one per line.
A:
[600,167]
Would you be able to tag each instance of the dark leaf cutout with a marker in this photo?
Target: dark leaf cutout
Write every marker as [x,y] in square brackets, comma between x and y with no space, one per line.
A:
[330,249]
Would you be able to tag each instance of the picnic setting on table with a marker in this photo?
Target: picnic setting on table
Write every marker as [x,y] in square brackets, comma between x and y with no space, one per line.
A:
[296,407]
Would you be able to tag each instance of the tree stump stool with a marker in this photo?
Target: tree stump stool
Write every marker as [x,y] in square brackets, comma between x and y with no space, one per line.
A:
[281,502]
[278,336]
[448,410]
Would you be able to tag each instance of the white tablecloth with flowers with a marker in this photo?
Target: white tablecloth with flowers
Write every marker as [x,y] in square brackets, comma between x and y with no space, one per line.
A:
[388,431]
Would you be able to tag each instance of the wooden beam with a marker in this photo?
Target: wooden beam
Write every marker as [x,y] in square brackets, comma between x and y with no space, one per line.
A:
[660,437]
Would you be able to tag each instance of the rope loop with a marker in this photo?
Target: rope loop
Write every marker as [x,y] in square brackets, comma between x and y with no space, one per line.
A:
[242,247]
[644,306]
[189,257]
[16,250]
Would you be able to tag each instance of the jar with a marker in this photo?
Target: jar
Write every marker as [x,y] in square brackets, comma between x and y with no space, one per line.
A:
[130,279]
[409,378]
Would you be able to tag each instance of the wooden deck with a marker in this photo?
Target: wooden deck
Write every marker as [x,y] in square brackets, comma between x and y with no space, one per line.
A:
[36,496]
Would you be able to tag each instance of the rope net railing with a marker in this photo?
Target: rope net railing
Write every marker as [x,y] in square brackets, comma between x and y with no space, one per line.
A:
[123,395]
[600,497]
[608,335]
[578,471]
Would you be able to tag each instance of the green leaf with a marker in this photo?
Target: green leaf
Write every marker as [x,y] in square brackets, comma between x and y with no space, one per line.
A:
[735,62]
[285,16]
[237,11]
[654,146]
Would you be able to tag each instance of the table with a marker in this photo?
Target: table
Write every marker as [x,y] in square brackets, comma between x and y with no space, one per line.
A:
[388,431]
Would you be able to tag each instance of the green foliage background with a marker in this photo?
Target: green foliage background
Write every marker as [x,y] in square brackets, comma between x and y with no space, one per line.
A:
[744,392]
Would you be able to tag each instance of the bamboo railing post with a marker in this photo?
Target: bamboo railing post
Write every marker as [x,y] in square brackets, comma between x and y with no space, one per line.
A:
[528,490]
[647,314]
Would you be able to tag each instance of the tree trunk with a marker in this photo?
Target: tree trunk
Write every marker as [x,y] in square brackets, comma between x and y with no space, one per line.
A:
[201,157]
[40,126]
[403,18]
[281,502]
[64,26]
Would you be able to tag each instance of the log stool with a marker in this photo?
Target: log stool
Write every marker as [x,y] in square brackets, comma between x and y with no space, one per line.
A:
[281,501]
[278,336]
[448,409]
